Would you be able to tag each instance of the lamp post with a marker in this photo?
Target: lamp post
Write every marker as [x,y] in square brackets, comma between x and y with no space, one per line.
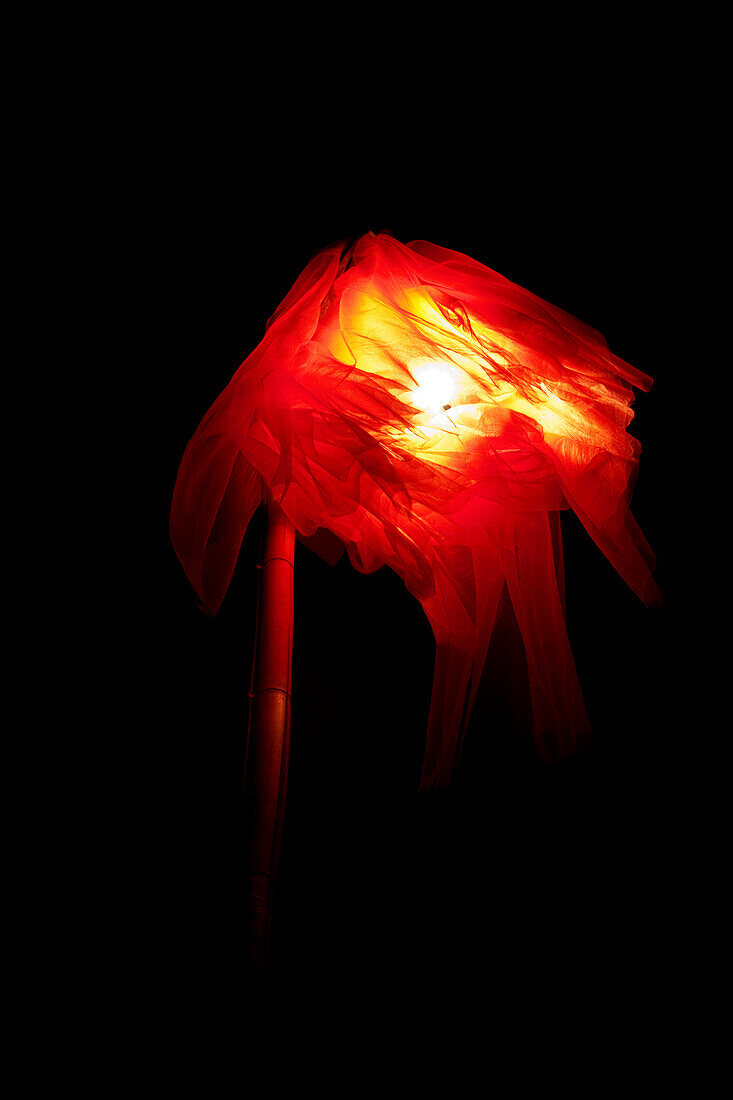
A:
[435,418]
[266,765]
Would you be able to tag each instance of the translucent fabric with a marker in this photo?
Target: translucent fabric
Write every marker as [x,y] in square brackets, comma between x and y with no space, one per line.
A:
[435,418]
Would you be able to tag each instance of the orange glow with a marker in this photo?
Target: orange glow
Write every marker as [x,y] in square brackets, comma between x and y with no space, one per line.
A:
[435,418]
[455,367]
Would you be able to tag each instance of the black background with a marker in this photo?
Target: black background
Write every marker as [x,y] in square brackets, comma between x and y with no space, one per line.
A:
[526,899]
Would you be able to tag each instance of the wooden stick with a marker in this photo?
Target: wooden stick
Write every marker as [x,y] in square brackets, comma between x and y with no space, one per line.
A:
[266,766]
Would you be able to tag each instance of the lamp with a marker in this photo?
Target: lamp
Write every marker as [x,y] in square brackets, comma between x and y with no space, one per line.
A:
[436,418]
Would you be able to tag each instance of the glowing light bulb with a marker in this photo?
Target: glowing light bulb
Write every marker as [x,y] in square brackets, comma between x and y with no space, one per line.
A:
[436,388]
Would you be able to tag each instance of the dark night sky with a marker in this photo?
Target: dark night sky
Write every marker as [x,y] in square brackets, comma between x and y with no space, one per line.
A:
[524,890]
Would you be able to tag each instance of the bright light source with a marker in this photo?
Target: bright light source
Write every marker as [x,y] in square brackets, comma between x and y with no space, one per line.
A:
[436,388]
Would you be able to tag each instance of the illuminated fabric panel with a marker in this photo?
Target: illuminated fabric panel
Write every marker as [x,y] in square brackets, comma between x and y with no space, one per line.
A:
[435,418]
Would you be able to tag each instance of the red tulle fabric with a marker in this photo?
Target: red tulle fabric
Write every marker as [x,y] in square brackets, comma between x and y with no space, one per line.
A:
[435,418]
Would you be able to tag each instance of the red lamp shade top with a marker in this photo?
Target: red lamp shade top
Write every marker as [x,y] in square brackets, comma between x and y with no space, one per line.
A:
[435,418]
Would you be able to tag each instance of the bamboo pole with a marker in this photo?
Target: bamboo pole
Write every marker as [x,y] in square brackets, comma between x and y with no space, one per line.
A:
[268,745]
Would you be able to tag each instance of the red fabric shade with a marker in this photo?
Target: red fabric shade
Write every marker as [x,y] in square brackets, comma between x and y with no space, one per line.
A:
[436,418]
